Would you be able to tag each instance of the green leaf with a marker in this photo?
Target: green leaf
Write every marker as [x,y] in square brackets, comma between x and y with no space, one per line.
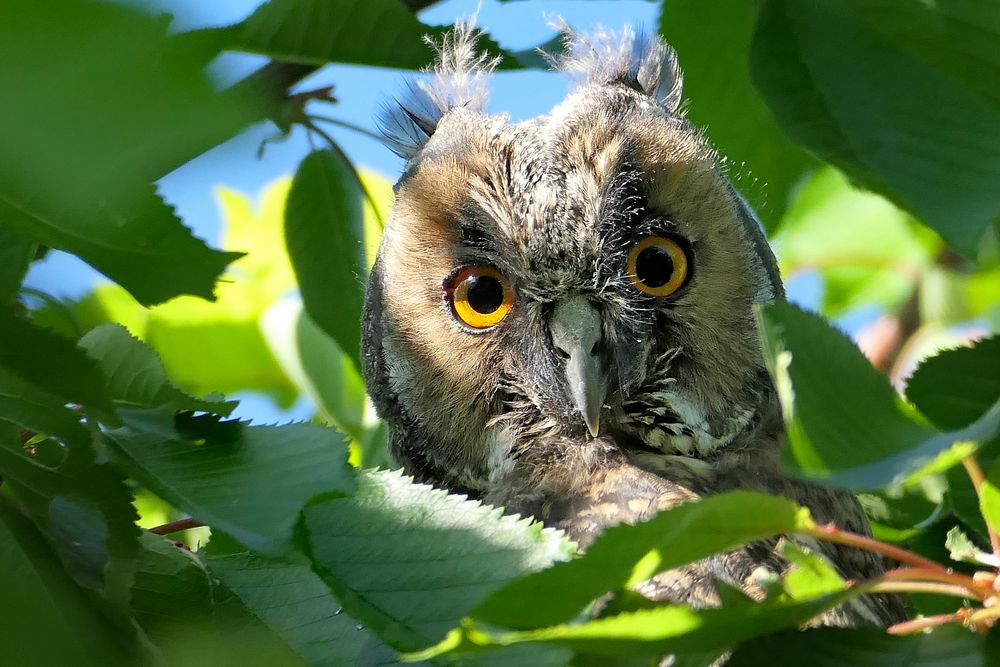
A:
[860,83]
[948,646]
[957,386]
[627,554]
[810,575]
[77,176]
[846,427]
[652,632]
[250,481]
[35,410]
[87,515]
[171,589]
[866,249]
[962,549]
[16,251]
[135,374]
[53,363]
[317,366]
[410,561]
[325,236]
[294,603]
[989,497]
[719,96]
[46,619]
[315,32]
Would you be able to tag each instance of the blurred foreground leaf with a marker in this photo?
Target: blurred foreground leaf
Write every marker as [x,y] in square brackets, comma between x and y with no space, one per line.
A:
[84,136]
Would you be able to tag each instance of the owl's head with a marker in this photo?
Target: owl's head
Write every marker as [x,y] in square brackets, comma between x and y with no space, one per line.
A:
[586,272]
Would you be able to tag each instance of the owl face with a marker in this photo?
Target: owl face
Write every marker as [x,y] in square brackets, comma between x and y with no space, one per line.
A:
[586,273]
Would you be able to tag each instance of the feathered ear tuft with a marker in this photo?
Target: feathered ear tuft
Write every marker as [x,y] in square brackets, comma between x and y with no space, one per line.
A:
[642,62]
[459,78]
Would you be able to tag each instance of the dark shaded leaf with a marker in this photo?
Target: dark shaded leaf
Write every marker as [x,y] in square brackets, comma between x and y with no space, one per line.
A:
[948,646]
[52,363]
[720,97]
[410,561]
[45,618]
[861,83]
[956,387]
[171,589]
[626,555]
[846,425]
[101,101]
[325,236]
[250,481]
[136,376]
[16,251]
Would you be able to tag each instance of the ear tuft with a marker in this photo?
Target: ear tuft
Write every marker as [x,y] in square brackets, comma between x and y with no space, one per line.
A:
[640,61]
[459,78]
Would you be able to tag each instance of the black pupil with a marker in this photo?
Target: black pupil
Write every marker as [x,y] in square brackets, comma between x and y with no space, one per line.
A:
[653,266]
[485,294]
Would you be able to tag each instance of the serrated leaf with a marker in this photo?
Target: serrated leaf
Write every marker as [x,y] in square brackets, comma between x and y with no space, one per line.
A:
[846,426]
[295,604]
[653,632]
[250,481]
[720,97]
[947,646]
[626,555]
[52,363]
[324,233]
[77,176]
[33,409]
[410,561]
[873,108]
[170,590]
[46,619]
[16,251]
[135,375]
[957,386]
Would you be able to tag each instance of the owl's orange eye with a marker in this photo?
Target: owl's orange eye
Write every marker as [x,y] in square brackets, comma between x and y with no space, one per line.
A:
[480,296]
[657,266]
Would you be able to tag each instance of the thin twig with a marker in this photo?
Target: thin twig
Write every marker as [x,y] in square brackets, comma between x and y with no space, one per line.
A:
[831,533]
[918,624]
[978,478]
[920,587]
[176,526]
[954,578]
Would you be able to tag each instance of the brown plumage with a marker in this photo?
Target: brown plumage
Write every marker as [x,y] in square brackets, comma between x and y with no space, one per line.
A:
[560,319]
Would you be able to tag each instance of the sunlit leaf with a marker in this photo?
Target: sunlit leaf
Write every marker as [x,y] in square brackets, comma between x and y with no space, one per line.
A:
[861,83]
[410,561]
[720,97]
[136,376]
[625,555]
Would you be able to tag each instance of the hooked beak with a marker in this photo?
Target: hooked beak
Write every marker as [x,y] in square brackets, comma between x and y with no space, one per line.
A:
[575,327]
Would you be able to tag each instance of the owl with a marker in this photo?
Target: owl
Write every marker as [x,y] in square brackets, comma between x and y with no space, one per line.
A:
[560,319]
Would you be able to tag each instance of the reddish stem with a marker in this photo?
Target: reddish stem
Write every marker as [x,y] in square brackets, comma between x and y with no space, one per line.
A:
[176,526]
[918,624]
[922,574]
[831,533]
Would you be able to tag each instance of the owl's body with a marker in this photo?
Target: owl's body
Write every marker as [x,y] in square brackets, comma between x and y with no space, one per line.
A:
[560,319]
